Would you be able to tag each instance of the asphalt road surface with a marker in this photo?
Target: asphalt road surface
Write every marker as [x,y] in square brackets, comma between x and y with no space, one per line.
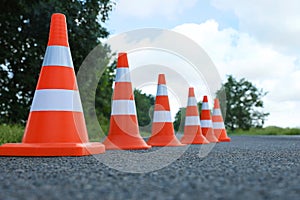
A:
[261,167]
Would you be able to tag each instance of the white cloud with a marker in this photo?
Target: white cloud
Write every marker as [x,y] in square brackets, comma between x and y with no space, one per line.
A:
[287,88]
[275,22]
[284,114]
[151,8]
[240,54]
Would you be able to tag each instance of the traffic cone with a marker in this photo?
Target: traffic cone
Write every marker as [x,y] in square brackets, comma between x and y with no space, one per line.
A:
[124,128]
[56,125]
[218,123]
[192,128]
[206,122]
[162,126]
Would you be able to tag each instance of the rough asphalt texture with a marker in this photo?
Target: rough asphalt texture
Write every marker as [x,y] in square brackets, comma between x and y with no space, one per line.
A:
[261,167]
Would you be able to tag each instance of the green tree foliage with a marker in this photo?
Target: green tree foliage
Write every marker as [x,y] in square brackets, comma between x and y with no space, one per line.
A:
[144,103]
[104,91]
[24,27]
[243,104]
[179,120]
[104,95]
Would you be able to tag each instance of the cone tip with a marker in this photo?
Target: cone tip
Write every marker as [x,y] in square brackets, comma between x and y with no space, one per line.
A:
[58,15]
[217,103]
[122,60]
[205,99]
[161,79]
[58,30]
[191,92]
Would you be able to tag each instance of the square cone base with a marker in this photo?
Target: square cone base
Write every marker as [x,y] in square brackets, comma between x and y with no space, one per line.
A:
[161,141]
[109,145]
[51,149]
[225,140]
[194,140]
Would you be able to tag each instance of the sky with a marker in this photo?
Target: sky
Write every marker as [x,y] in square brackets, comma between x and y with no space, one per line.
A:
[257,40]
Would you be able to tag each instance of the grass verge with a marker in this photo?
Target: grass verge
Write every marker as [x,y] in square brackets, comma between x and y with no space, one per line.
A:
[14,133]
[270,130]
[11,133]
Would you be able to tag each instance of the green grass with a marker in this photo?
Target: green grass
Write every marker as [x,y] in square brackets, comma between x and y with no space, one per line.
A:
[14,133]
[145,134]
[270,130]
[11,133]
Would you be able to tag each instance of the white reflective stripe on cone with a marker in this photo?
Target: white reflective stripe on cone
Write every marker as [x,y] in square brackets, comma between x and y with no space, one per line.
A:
[217,112]
[123,107]
[58,56]
[206,123]
[162,90]
[218,125]
[123,75]
[192,101]
[56,100]
[162,116]
[192,121]
[205,106]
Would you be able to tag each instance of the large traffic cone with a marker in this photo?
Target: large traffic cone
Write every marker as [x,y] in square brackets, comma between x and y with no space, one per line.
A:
[162,126]
[124,129]
[192,128]
[55,125]
[206,122]
[218,123]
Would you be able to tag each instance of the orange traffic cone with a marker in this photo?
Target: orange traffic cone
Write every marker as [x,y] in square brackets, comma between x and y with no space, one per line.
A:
[124,130]
[162,127]
[206,122]
[56,125]
[218,123]
[192,129]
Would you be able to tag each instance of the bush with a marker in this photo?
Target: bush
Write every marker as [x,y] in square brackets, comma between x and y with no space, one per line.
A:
[11,133]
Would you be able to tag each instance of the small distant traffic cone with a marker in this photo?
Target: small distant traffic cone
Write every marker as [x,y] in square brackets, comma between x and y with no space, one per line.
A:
[162,126]
[206,122]
[218,123]
[192,128]
[124,129]
[56,125]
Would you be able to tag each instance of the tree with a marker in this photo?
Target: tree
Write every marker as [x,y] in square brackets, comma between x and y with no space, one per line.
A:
[243,104]
[143,102]
[103,96]
[24,27]
[179,120]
